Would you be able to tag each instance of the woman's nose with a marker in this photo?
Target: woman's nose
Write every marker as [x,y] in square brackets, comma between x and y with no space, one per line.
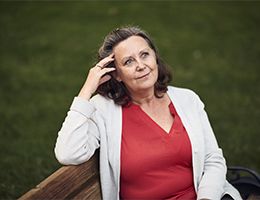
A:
[140,66]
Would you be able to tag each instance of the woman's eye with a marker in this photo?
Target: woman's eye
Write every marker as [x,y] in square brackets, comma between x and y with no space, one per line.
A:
[128,62]
[144,54]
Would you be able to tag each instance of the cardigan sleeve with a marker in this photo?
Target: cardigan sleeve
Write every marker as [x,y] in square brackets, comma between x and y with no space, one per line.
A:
[79,136]
[212,183]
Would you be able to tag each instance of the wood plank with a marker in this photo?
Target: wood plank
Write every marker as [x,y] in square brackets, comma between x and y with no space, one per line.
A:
[91,192]
[70,182]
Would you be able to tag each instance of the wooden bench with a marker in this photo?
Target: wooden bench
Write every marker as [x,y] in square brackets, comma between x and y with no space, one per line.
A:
[70,182]
[82,182]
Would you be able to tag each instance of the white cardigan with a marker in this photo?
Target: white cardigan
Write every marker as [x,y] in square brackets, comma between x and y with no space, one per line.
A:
[98,124]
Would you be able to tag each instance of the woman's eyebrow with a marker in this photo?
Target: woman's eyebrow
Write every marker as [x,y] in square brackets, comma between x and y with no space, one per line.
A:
[125,58]
[145,49]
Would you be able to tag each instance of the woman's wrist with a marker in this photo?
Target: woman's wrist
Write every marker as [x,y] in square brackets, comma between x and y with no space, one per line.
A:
[85,93]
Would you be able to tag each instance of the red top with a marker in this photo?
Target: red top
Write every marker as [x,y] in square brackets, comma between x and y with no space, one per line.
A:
[154,164]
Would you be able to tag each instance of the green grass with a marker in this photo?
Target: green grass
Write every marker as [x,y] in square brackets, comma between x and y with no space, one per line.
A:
[46,49]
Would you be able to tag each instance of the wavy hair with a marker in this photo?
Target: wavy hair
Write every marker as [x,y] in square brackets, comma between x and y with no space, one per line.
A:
[117,90]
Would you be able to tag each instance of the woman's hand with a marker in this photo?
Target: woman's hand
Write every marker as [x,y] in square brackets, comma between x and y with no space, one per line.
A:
[96,76]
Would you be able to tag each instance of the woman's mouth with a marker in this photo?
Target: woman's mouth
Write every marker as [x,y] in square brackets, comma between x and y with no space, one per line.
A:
[143,76]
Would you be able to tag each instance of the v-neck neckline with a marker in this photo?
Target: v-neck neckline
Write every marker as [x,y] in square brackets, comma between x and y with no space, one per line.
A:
[145,117]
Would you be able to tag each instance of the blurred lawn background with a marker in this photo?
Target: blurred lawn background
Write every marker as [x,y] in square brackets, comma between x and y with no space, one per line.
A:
[46,49]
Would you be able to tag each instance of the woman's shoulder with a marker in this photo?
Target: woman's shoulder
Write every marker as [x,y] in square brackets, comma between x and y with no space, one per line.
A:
[184,96]
[102,103]
[181,92]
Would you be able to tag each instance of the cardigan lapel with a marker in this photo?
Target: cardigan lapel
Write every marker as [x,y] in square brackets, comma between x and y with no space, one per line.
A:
[177,102]
[115,141]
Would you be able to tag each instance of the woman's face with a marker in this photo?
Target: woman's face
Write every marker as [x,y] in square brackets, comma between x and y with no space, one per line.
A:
[136,64]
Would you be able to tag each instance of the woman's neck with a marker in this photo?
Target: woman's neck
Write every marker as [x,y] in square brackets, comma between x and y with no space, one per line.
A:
[145,99]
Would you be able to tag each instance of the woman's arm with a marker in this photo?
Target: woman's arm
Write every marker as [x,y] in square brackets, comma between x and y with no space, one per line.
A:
[79,136]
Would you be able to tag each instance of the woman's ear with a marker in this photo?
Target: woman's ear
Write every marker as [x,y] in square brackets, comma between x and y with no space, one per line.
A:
[117,77]
[116,74]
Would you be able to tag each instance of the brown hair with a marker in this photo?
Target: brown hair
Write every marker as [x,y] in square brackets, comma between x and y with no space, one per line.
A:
[117,90]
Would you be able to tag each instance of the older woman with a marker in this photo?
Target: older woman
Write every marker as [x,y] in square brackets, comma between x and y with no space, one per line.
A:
[155,140]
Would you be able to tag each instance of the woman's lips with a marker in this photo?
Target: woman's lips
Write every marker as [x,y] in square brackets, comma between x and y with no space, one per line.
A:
[143,76]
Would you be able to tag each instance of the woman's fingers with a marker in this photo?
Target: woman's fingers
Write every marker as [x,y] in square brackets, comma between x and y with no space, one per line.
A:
[103,71]
[104,62]
[96,76]
[104,79]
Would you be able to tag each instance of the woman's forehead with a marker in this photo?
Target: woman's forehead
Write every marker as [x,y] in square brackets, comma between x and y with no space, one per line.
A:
[130,45]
